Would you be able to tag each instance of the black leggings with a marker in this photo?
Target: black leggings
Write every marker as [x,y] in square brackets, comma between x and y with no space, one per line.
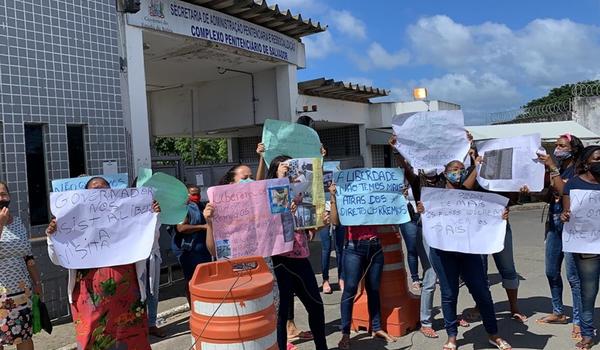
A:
[304,285]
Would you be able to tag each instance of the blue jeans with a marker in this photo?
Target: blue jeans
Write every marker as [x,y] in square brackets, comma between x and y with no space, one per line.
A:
[358,255]
[505,262]
[409,234]
[449,266]
[429,279]
[554,258]
[589,273]
[152,299]
[326,236]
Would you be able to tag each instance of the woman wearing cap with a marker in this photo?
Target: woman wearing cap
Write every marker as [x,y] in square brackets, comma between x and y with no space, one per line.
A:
[587,265]
[568,149]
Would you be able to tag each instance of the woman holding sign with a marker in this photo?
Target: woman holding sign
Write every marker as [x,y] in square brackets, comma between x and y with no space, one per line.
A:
[107,303]
[295,275]
[450,266]
[19,278]
[588,265]
[567,151]
[363,258]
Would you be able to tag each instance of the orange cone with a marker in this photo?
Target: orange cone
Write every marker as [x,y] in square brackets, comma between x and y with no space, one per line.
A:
[399,308]
[233,308]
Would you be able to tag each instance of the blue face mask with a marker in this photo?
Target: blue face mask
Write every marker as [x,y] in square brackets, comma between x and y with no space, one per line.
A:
[244,181]
[456,177]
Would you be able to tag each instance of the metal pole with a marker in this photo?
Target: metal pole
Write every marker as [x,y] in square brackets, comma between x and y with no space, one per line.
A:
[193,143]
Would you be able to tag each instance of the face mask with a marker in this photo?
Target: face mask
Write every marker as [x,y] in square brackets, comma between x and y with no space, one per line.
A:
[194,198]
[4,204]
[455,177]
[245,181]
[594,168]
[561,154]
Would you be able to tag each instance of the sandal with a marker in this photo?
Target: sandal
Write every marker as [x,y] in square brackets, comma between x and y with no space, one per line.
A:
[344,344]
[584,345]
[428,332]
[327,290]
[416,286]
[502,344]
[303,335]
[576,335]
[553,319]
[449,346]
[519,317]
[291,346]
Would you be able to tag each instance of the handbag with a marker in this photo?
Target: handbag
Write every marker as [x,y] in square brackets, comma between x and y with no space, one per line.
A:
[41,317]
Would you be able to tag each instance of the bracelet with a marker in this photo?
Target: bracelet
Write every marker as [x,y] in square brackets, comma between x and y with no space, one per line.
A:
[554,174]
[552,169]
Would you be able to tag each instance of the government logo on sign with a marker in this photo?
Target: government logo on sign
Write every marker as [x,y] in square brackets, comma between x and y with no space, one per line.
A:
[157,8]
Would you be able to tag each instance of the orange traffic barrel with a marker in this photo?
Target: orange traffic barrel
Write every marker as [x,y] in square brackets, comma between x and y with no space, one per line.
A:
[399,307]
[232,306]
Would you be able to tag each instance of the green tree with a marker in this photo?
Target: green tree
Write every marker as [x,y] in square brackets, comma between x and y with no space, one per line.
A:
[205,150]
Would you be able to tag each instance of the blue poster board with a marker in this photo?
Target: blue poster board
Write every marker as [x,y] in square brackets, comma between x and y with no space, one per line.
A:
[371,197]
[78,183]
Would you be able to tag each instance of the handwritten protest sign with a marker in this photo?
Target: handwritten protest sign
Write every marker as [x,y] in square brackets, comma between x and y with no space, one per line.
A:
[371,197]
[306,186]
[290,139]
[103,227]
[581,234]
[463,221]
[78,183]
[252,219]
[172,195]
[429,140]
[511,163]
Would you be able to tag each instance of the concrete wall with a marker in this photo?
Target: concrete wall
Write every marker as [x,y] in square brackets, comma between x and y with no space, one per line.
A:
[587,112]
[336,111]
[218,104]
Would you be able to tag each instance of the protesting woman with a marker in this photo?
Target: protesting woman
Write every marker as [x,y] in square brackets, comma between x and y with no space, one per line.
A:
[363,256]
[568,149]
[587,265]
[450,266]
[19,278]
[107,303]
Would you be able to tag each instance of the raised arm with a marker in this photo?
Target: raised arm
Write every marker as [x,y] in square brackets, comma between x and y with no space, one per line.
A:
[261,172]
[333,214]
[208,213]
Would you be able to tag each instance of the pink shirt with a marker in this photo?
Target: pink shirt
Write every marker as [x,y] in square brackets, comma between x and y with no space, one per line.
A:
[300,249]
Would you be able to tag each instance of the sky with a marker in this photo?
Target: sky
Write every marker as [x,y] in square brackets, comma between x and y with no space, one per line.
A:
[488,56]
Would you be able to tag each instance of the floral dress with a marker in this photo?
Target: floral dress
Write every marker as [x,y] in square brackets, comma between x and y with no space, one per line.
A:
[15,285]
[107,310]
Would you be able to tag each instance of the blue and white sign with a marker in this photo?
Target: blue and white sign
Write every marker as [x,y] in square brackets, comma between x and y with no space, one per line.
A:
[371,197]
[116,181]
[183,18]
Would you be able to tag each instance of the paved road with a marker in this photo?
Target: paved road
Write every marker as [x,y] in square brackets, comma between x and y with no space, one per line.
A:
[534,300]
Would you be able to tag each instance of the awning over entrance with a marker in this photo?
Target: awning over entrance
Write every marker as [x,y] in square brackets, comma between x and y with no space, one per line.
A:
[259,12]
[339,90]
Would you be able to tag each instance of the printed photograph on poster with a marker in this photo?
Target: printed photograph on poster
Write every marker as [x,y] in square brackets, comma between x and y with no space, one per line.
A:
[328,169]
[498,164]
[279,199]
[223,249]
[306,179]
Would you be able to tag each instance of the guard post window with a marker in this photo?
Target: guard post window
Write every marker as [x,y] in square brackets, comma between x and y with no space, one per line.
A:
[76,146]
[36,174]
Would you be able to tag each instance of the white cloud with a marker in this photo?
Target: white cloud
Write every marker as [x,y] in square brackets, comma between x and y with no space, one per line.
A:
[319,45]
[377,57]
[346,23]
[545,53]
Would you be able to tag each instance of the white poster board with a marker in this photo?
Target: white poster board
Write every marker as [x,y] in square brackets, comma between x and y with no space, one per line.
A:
[430,140]
[581,234]
[463,221]
[511,163]
[103,227]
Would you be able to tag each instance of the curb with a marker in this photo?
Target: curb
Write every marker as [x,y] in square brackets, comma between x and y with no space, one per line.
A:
[161,316]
